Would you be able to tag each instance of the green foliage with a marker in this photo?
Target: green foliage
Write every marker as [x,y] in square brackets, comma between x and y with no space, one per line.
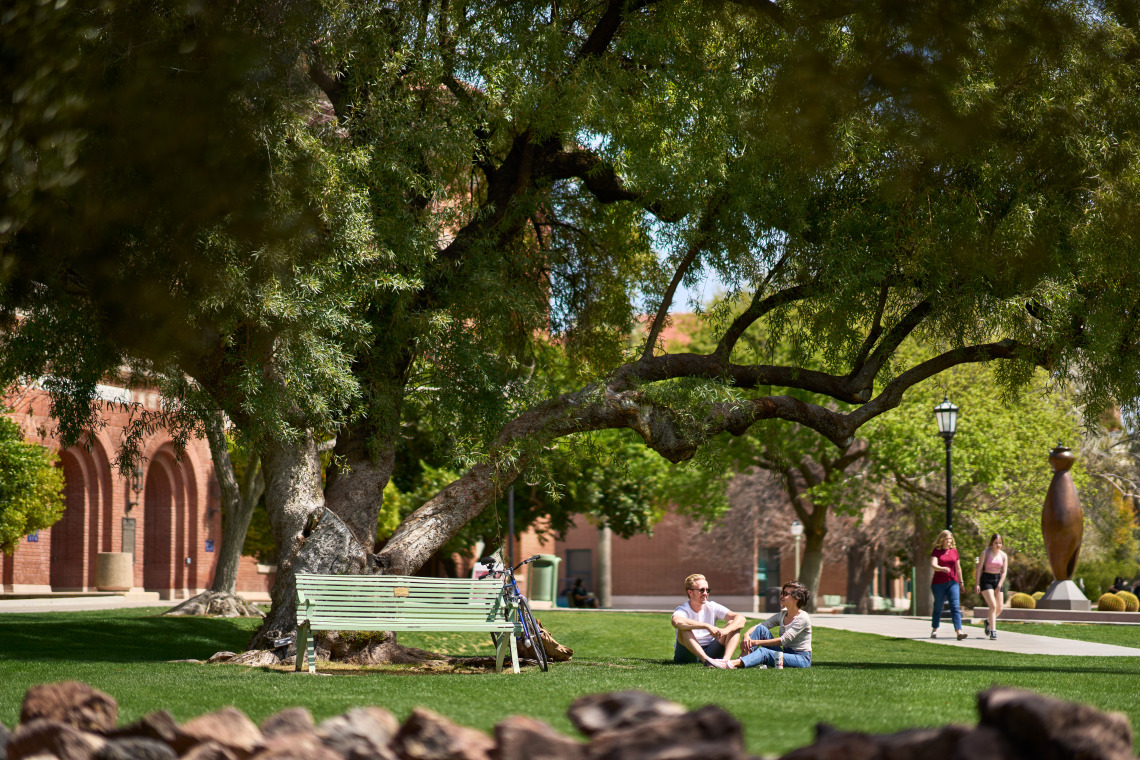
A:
[1098,574]
[471,186]
[1000,455]
[259,537]
[1110,603]
[31,487]
[1022,602]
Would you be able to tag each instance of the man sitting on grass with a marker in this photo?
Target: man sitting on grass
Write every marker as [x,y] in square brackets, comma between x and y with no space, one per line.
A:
[698,638]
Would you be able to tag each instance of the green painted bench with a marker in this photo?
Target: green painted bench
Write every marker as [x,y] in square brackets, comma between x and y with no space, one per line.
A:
[403,603]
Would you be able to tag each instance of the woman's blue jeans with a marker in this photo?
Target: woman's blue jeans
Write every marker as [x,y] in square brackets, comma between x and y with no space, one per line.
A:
[767,655]
[942,592]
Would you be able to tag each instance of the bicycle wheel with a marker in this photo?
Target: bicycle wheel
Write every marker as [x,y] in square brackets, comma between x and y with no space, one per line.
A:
[531,633]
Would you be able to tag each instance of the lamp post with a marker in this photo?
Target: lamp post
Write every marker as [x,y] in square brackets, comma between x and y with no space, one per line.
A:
[797,534]
[136,486]
[946,415]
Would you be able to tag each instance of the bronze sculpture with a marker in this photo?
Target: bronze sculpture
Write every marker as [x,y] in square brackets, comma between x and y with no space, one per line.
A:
[1062,520]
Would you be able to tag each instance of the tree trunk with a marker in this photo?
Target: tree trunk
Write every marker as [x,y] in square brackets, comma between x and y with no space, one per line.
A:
[424,531]
[605,567]
[237,503]
[924,573]
[812,567]
[354,490]
[293,498]
[862,560]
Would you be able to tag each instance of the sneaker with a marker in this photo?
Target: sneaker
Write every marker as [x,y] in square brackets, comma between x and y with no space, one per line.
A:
[962,635]
[987,628]
[993,635]
[934,634]
[721,664]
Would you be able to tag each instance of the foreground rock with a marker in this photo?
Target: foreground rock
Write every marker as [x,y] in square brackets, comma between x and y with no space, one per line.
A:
[72,721]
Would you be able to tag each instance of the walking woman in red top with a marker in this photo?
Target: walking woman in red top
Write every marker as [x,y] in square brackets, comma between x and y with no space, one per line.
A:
[946,583]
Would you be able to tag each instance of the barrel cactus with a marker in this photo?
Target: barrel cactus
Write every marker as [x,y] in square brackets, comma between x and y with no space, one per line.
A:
[1021,601]
[1110,603]
[1131,603]
[1037,595]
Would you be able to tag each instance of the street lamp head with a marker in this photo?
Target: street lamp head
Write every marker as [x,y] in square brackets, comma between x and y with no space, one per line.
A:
[797,528]
[946,415]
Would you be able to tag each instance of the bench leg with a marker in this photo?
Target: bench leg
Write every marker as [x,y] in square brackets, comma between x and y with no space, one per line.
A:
[514,653]
[306,649]
[500,642]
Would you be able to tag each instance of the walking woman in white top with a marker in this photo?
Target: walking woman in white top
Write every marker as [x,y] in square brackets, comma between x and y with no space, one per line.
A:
[989,577]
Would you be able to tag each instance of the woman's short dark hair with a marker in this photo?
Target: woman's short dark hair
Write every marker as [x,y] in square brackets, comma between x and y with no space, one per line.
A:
[797,591]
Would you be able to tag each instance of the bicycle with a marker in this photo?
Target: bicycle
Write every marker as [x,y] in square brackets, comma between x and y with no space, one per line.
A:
[531,634]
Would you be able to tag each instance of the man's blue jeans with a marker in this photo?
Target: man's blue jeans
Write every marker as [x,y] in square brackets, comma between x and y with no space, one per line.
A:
[682,656]
[767,655]
[942,592]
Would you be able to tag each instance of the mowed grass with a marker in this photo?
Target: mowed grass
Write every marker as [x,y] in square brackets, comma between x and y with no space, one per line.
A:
[859,682]
[1123,635]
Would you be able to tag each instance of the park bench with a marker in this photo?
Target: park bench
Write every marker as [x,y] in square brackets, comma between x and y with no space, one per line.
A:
[403,603]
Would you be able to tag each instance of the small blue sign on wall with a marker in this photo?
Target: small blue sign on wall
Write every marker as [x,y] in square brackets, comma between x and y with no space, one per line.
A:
[34,538]
[209,544]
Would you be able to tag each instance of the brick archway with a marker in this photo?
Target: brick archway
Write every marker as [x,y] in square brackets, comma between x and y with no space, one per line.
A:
[68,535]
[157,529]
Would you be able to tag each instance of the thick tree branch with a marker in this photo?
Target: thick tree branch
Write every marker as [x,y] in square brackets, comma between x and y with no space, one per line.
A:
[863,376]
[757,309]
[599,177]
[698,242]
[875,331]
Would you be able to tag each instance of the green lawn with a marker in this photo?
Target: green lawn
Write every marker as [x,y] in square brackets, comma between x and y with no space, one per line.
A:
[1118,634]
[859,681]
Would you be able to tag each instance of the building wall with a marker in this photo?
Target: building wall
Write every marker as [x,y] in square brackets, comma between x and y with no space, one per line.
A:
[648,572]
[175,515]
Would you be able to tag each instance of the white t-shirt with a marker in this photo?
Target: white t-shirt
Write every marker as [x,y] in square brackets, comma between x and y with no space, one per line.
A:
[710,613]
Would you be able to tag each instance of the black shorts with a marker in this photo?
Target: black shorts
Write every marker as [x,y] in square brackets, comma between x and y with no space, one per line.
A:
[990,581]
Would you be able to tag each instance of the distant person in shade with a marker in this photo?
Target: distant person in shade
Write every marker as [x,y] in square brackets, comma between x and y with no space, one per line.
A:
[946,584]
[790,647]
[698,639]
[581,597]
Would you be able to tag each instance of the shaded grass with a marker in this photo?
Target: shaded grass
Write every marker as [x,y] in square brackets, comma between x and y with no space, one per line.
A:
[859,681]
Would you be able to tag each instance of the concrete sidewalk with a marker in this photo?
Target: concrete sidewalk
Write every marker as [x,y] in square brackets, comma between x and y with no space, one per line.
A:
[74,603]
[918,629]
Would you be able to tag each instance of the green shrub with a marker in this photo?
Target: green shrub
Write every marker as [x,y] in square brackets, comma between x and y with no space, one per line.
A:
[31,486]
[1110,603]
[1131,603]
[1021,601]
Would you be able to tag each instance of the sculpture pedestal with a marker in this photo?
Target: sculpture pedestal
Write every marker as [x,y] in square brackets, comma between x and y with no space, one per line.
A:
[1064,595]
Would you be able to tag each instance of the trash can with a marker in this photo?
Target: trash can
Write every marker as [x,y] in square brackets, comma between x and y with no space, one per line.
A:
[542,582]
[114,571]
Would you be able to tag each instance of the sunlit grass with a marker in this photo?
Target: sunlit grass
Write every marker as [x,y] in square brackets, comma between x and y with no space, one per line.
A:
[859,681]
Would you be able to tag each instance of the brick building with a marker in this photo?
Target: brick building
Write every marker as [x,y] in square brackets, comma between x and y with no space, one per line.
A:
[166,514]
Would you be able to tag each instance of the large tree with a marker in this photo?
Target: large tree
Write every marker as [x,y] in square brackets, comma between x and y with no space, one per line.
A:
[419,196]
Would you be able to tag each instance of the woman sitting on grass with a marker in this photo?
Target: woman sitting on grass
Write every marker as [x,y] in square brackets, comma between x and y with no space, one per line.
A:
[793,645]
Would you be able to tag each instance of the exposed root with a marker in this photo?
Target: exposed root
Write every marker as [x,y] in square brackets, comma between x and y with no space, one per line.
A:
[216,604]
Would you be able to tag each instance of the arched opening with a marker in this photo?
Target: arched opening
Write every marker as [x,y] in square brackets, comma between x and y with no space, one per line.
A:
[67,535]
[157,530]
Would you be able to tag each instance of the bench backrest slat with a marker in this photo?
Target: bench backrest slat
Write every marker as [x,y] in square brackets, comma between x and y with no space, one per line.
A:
[343,600]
